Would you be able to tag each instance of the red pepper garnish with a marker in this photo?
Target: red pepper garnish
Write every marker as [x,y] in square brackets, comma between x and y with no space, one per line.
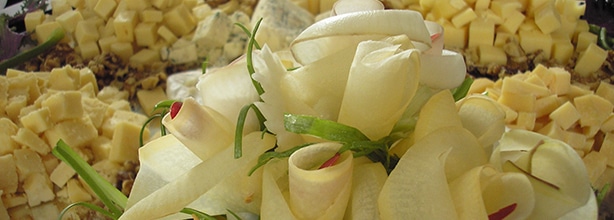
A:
[503,212]
[332,161]
[435,36]
[175,107]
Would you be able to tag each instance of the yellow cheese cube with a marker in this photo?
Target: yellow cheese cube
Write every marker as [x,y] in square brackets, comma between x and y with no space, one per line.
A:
[86,32]
[581,26]
[545,105]
[501,38]
[76,193]
[167,34]
[595,163]
[533,5]
[125,142]
[28,138]
[124,24]
[160,4]
[37,121]
[8,174]
[76,133]
[526,120]
[105,8]
[201,12]
[593,109]
[151,15]
[90,3]
[61,174]
[608,124]
[64,105]
[607,148]
[145,57]
[455,37]
[149,98]
[69,20]
[528,25]
[481,5]
[65,78]
[447,8]
[122,49]
[179,20]
[512,22]
[561,83]
[33,19]
[43,31]
[532,41]
[584,39]
[59,7]
[137,5]
[518,86]
[76,3]
[605,90]
[547,19]
[101,147]
[121,7]
[106,42]
[505,8]
[481,32]
[89,50]
[518,101]
[146,34]
[14,106]
[489,54]
[535,79]
[464,17]
[86,76]
[108,29]
[567,27]
[111,94]
[553,130]
[119,116]
[562,52]
[38,188]
[590,60]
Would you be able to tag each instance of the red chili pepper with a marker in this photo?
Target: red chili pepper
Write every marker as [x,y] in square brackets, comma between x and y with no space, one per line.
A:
[175,107]
[332,161]
[503,212]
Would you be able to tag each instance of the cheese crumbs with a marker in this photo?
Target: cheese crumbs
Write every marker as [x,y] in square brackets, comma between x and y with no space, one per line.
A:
[39,108]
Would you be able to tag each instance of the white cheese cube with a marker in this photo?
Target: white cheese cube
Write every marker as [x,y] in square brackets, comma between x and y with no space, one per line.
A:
[37,121]
[547,19]
[464,17]
[512,22]
[145,57]
[119,116]
[64,105]
[124,24]
[28,162]
[184,54]
[65,78]
[201,12]
[7,129]
[61,174]
[125,142]
[76,193]
[101,146]
[8,174]
[43,31]
[45,210]
[213,31]
[167,34]
[76,133]
[38,188]
[283,22]
[95,110]
[583,39]
[532,41]
[137,5]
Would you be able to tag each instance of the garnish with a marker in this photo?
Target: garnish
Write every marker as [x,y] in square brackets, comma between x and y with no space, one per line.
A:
[461,91]
[175,107]
[330,162]
[602,193]
[56,36]
[503,212]
[164,106]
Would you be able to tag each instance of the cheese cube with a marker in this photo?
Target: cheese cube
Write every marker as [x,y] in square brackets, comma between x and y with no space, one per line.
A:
[532,41]
[455,37]
[145,57]
[512,22]
[85,32]
[89,50]
[518,86]
[584,39]
[184,54]
[608,124]
[125,142]
[575,140]
[14,106]
[593,109]
[526,120]
[28,162]
[160,4]
[213,31]
[124,24]
[590,60]
[122,49]
[491,55]
[109,126]
[106,42]
[43,31]
[179,20]
[547,19]
[38,188]
[562,52]
[37,121]
[76,3]
[137,5]
[481,32]
[108,29]
[64,105]
[581,26]
[201,12]
[501,38]
[95,110]
[545,105]
[567,27]
[448,8]
[121,7]
[607,148]
[76,193]
[111,94]
[481,5]
[595,163]
[505,8]
[518,101]
[86,76]
[69,20]
[151,15]
[76,133]
[59,7]
[105,8]
[65,78]
[167,34]
[101,146]
[45,210]
[7,129]
[561,82]
[8,174]
[146,34]
[464,17]
[605,90]
[149,98]
[61,174]
[31,140]
[33,19]
[553,130]
[528,25]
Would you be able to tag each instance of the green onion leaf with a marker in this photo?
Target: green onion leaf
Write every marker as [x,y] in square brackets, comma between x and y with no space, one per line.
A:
[461,91]
[238,146]
[110,196]
[87,205]
[272,154]
[250,64]
[249,34]
[198,214]
[322,128]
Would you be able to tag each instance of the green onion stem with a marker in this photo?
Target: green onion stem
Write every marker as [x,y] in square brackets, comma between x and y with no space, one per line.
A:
[250,65]
[56,36]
